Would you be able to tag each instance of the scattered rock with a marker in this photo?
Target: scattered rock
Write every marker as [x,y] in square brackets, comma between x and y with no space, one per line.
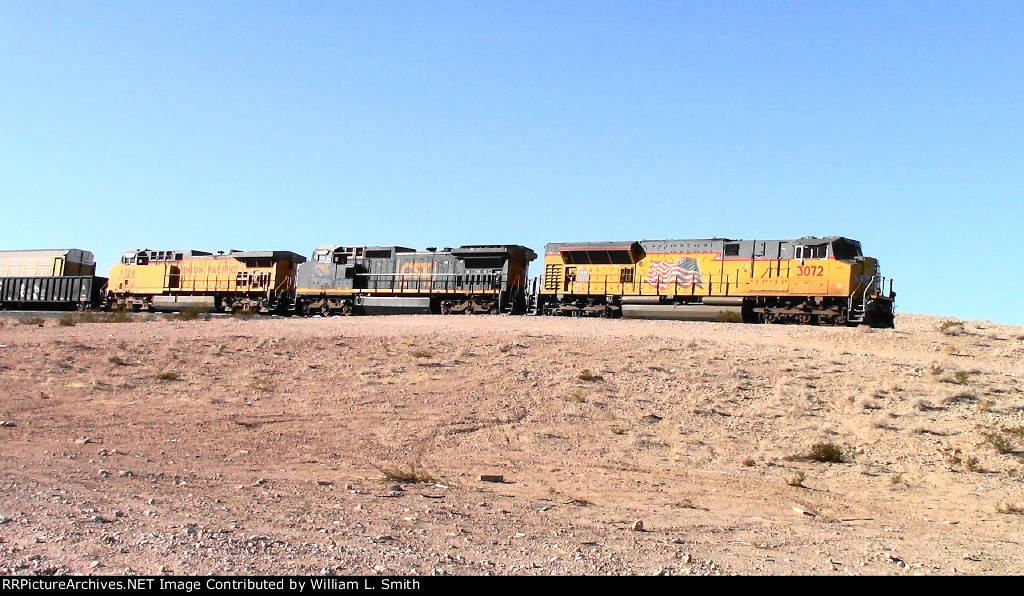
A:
[7,423]
[638,526]
[492,478]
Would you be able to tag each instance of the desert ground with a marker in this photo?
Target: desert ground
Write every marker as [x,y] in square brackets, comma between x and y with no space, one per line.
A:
[369,445]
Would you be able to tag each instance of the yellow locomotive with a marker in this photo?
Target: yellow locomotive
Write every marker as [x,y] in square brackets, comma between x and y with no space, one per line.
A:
[247,281]
[806,280]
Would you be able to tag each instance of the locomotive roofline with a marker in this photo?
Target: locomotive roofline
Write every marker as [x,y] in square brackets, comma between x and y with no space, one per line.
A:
[555,247]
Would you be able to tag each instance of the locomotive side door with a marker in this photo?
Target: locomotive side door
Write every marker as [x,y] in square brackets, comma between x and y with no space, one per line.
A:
[570,279]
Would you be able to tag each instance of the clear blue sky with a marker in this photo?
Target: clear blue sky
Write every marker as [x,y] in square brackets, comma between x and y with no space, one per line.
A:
[287,125]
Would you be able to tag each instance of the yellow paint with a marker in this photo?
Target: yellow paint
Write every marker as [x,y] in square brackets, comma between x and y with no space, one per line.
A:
[718,277]
[214,274]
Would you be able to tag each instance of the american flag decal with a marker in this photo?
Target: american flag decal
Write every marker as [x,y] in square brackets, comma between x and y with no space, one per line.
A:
[684,273]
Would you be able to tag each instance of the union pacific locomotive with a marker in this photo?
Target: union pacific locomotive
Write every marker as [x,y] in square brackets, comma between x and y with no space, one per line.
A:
[807,280]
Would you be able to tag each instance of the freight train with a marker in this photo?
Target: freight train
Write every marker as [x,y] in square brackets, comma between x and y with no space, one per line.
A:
[806,280]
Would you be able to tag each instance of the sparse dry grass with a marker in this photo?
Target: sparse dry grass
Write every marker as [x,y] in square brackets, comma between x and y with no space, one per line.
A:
[412,473]
[1010,508]
[1001,443]
[951,327]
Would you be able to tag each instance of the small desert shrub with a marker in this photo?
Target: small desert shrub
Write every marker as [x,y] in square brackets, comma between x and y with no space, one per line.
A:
[962,397]
[414,474]
[826,452]
[579,396]
[749,462]
[38,321]
[972,463]
[1001,443]
[169,375]
[961,377]
[586,375]
[191,313]
[120,316]
[1010,508]
[66,321]
[896,479]
[797,479]
[1016,431]
[262,383]
[115,359]
[422,353]
[951,327]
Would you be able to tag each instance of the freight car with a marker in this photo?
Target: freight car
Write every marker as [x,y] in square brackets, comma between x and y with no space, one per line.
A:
[51,279]
[395,279]
[239,281]
[806,280]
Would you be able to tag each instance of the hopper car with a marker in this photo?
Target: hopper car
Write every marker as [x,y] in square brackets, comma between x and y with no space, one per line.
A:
[49,279]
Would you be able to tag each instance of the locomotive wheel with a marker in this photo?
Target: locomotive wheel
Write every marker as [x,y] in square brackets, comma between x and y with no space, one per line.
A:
[804,318]
[325,311]
[446,309]
[346,309]
[469,310]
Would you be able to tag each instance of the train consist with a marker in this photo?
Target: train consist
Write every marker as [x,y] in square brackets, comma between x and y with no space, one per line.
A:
[807,280]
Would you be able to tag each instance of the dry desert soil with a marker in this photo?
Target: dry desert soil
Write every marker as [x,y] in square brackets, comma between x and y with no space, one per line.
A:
[364,445]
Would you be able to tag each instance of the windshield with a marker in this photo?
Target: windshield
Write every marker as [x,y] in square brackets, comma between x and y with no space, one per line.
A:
[846,249]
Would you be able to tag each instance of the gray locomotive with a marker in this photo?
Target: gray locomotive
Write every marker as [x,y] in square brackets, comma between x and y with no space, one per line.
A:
[395,279]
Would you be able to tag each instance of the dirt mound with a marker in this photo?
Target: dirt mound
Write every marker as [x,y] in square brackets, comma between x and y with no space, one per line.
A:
[357,445]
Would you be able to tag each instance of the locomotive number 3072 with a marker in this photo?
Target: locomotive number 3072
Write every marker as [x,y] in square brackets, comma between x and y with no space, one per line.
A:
[811,270]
